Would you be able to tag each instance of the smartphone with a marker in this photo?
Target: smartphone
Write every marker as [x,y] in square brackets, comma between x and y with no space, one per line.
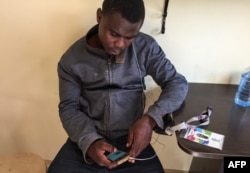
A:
[118,156]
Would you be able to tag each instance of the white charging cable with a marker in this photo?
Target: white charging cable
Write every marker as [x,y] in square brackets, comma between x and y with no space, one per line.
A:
[142,159]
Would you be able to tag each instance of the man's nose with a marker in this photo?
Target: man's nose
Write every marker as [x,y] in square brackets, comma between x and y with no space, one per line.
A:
[120,42]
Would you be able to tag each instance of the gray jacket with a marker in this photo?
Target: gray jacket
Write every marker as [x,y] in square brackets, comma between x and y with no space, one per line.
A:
[101,96]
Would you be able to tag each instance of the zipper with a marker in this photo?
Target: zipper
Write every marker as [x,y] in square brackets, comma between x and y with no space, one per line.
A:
[109,63]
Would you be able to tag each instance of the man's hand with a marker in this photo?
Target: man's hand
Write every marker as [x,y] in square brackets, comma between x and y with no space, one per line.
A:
[140,135]
[97,151]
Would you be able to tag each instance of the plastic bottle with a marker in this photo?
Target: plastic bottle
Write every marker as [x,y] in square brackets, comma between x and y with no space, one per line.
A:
[242,96]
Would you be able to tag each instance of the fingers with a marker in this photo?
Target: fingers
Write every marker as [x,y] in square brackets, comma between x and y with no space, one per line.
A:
[107,163]
[97,151]
[136,147]
[112,165]
[130,138]
[108,147]
[131,160]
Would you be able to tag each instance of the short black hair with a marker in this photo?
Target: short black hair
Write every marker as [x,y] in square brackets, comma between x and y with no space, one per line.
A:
[131,10]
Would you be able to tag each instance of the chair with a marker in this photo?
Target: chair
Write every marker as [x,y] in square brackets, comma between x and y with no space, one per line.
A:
[23,162]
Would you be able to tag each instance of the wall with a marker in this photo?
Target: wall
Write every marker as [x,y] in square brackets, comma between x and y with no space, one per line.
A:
[207,40]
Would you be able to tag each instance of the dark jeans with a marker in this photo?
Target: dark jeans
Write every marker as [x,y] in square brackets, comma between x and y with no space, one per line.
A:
[70,160]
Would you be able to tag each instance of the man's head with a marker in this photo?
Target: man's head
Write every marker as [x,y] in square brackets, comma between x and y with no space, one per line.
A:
[131,10]
[119,22]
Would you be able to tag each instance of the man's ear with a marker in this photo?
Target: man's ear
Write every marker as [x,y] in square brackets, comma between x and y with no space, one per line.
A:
[98,15]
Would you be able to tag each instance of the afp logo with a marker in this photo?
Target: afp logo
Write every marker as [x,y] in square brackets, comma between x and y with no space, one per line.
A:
[237,164]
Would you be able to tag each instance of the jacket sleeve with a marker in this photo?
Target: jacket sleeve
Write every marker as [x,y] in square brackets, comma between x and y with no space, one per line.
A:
[173,85]
[79,127]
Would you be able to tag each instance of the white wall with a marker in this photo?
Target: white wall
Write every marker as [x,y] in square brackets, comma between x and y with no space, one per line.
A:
[207,40]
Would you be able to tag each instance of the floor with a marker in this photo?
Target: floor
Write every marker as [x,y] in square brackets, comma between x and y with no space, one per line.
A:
[174,171]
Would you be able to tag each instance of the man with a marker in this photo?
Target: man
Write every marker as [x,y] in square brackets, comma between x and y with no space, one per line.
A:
[101,83]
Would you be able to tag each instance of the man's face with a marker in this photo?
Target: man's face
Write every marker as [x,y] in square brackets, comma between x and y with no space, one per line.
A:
[116,33]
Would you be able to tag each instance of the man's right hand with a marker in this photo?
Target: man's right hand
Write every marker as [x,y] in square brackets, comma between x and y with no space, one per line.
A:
[97,151]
